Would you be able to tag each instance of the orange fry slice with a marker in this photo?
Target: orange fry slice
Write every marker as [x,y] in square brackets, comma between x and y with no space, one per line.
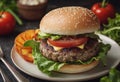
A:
[25,52]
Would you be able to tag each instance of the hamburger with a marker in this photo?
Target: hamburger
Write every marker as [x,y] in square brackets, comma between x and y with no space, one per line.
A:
[68,42]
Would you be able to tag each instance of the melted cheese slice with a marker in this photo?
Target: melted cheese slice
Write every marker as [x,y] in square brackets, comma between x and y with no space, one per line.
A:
[59,48]
[81,46]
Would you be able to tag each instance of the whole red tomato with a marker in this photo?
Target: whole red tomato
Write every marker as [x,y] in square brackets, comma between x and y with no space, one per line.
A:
[7,23]
[103,13]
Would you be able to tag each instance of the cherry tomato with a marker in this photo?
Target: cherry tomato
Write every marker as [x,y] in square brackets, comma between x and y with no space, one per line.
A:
[68,43]
[7,23]
[103,13]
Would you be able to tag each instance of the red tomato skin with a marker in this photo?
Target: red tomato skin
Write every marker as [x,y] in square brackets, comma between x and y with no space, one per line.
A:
[103,13]
[68,43]
[7,23]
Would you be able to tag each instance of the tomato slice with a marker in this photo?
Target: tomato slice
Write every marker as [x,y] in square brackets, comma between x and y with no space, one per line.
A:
[68,43]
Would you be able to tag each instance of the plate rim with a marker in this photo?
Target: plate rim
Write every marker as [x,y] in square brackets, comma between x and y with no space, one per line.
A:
[69,79]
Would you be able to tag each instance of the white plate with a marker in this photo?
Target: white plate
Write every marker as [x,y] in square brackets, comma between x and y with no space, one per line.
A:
[113,60]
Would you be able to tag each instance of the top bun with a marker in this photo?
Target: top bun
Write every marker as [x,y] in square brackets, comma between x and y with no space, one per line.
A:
[69,21]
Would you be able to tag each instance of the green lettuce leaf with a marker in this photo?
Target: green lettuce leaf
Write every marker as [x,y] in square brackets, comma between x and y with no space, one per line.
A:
[104,48]
[56,37]
[92,35]
[114,76]
[47,66]
[47,35]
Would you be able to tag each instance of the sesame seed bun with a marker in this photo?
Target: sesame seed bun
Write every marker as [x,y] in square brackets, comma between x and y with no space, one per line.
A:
[69,21]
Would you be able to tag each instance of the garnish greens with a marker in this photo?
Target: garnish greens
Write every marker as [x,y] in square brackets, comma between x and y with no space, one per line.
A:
[47,35]
[112,29]
[114,76]
[56,36]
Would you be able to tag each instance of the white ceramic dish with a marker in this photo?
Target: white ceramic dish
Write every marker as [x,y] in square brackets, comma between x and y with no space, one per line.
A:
[113,60]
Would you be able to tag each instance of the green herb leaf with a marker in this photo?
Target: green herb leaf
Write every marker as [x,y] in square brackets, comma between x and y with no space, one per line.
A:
[92,35]
[112,29]
[105,79]
[104,48]
[114,76]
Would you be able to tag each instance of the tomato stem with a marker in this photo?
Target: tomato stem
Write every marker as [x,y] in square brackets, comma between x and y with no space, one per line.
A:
[1,13]
[103,3]
[19,21]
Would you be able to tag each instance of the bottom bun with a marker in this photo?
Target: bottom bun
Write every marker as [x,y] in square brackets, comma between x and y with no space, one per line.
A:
[71,68]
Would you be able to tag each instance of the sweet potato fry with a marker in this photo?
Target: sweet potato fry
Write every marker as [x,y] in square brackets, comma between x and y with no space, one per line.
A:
[18,49]
[29,34]
[28,57]
[23,36]
[25,52]
[19,39]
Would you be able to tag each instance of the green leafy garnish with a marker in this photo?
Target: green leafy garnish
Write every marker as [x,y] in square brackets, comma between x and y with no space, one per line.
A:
[112,29]
[103,49]
[47,35]
[56,36]
[48,66]
[92,35]
[114,76]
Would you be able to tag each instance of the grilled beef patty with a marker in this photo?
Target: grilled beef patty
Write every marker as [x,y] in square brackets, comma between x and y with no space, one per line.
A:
[70,54]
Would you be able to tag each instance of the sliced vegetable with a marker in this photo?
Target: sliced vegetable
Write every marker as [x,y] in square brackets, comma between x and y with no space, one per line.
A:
[42,35]
[68,43]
